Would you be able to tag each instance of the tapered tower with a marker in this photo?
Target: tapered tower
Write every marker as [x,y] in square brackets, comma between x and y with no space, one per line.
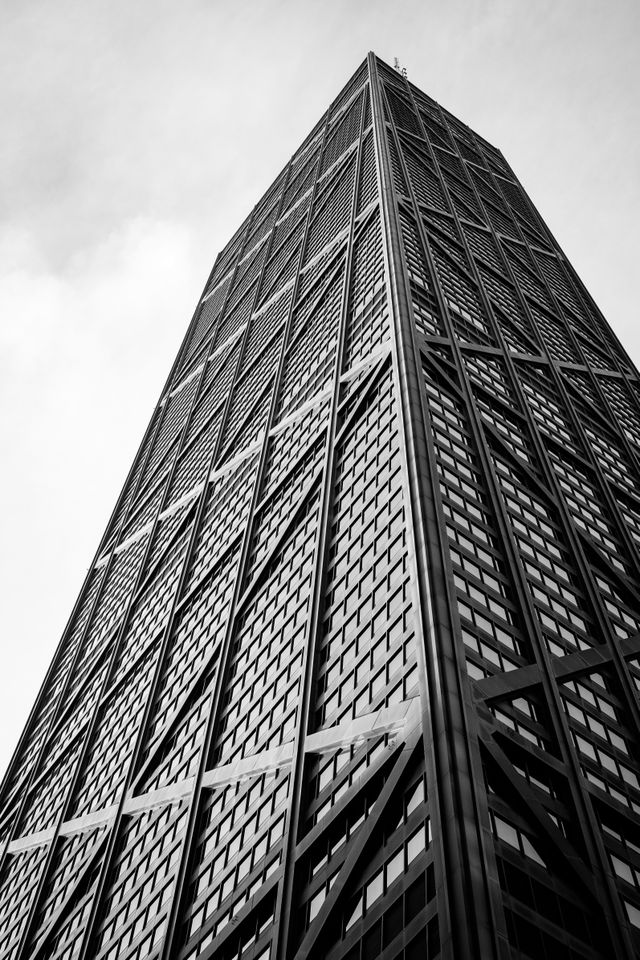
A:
[354,673]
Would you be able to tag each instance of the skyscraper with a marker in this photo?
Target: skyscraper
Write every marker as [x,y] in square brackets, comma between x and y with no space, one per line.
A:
[355,670]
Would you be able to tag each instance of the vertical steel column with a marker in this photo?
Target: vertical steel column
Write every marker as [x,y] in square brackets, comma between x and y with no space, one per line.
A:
[284,901]
[468,927]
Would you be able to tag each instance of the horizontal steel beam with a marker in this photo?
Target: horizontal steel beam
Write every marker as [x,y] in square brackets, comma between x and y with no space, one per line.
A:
[396,720]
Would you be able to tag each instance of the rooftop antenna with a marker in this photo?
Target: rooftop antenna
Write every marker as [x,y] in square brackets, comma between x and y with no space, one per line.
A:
[401,70]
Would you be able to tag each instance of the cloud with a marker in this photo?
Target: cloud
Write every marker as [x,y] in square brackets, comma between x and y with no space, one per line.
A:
[83,356]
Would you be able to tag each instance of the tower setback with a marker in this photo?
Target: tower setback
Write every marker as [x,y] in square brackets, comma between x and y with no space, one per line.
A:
[354,673]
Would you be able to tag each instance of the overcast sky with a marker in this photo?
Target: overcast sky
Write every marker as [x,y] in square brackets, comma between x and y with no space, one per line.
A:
[136,137]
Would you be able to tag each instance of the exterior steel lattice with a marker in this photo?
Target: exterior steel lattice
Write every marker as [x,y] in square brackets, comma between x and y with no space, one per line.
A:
[355,671]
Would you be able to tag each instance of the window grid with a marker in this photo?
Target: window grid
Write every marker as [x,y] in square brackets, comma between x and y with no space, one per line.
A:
[343,131]
[138,893]
[583,499]
[414,254]
[143,513]
[424,179]
[72,721]
[525,277]
[301,179]
[104,768]
[238,848]
[224,515]
[70,858]
[467,315]
[624,856]
[367,322]
[150,611]
[261,694]
[40,725]
[17,889]
[235,318]
[310,358]
[555,336]
[623,407]
[288,443]
[366,654]
[245,392]
[512,320]
[170,428]
[283,262]
[368,185]
[215,388]
[561,607]
[331,209]
[487,618]
[273,514]
[594,712]
[380,912]
[110,608]
[209,314]
[196,636]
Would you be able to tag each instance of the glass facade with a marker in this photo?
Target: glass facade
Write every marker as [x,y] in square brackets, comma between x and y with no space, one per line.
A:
[355,671]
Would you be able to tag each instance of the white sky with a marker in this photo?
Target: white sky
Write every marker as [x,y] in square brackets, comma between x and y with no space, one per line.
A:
[136,137]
